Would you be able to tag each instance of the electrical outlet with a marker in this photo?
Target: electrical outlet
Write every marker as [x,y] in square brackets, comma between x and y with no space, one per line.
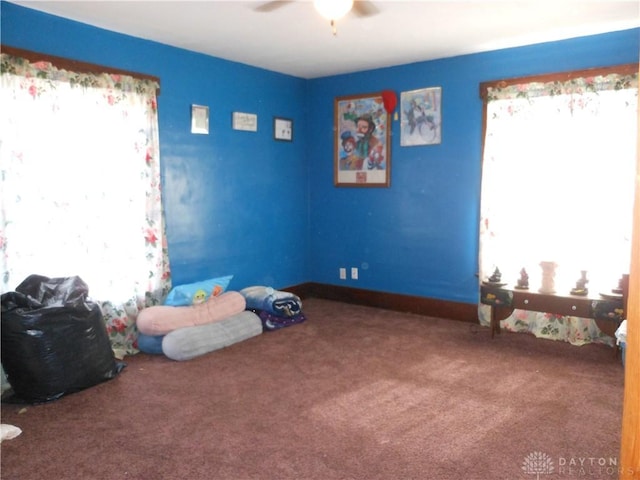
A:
[343,273]
[354,273]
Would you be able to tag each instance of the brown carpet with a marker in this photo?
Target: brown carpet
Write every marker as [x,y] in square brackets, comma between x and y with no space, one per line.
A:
[353,393]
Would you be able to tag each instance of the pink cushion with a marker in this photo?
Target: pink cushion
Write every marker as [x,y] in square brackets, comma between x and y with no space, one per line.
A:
[162,319]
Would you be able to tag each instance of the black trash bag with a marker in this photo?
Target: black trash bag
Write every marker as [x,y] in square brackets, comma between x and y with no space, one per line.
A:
[54,340]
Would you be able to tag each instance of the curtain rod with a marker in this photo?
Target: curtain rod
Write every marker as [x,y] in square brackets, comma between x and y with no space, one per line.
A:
[74,65]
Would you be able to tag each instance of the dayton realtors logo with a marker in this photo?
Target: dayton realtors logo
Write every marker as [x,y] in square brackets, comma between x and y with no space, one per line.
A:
[537,463]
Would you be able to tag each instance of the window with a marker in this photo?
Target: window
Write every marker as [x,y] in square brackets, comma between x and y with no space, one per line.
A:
[80,187]
[558,176]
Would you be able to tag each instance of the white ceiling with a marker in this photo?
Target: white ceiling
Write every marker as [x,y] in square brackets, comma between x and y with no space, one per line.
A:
[296,40]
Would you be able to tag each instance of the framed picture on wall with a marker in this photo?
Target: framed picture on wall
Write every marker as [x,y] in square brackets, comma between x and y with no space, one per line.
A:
[245,121]
[283,129]
[421,117]
[199,119]
[361,150]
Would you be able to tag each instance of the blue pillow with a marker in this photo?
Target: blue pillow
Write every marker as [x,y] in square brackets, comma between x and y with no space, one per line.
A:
[198,292]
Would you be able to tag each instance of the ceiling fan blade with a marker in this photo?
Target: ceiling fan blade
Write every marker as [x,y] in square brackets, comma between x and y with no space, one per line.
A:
[270,6]
[364,8]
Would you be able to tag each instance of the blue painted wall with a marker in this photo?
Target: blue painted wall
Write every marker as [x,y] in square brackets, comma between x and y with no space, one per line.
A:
[267,211]
[236,202]
[420,237]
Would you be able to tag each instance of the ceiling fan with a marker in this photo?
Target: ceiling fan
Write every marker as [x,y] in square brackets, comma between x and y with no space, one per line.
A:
[332,10]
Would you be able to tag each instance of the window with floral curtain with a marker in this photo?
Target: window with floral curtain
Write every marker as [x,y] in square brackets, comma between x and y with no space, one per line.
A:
[80,187]
[558,185]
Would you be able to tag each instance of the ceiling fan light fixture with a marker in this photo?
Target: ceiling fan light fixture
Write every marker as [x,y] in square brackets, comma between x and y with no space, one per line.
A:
[333,9]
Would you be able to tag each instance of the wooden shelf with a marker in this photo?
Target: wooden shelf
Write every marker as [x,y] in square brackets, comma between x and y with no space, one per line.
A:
[607,312]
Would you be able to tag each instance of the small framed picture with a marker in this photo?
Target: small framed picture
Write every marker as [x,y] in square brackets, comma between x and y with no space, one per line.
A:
[199,119]
[283,129]
[245,121]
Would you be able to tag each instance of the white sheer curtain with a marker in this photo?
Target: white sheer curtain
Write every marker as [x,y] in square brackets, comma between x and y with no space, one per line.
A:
[81,187]
[558,179]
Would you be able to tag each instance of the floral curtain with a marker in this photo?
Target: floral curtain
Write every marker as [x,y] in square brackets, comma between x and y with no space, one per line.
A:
[558,185]
[80,188]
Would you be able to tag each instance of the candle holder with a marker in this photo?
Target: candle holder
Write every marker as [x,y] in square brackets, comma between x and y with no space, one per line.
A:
[495,279]
[581,285]
[523,281]
[618,289]
[548,284]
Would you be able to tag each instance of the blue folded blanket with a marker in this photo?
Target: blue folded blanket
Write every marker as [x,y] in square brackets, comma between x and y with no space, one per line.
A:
[284,304]
[272,322]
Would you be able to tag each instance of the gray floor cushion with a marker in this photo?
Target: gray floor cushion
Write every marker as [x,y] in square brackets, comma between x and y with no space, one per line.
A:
[190,342]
